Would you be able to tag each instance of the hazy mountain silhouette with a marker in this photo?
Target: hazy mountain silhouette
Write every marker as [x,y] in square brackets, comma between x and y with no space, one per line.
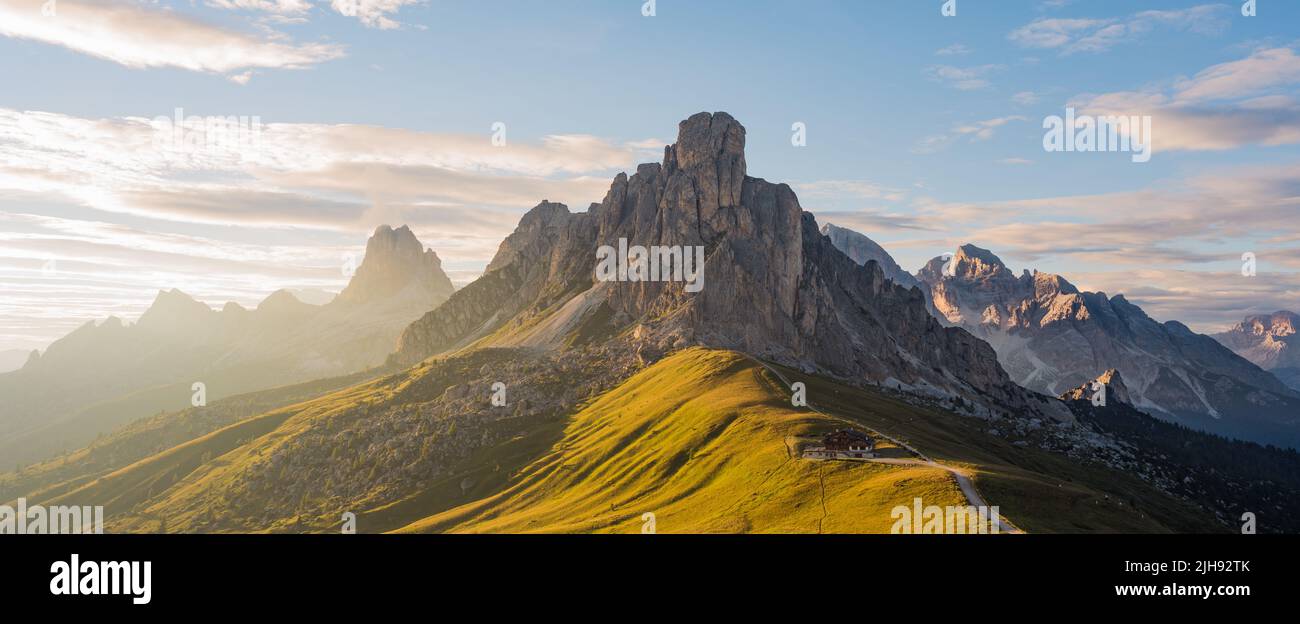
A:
[109,372]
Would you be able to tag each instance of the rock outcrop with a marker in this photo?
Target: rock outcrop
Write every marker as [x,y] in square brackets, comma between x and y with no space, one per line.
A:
[1116,391]
[773,285]
[396,264]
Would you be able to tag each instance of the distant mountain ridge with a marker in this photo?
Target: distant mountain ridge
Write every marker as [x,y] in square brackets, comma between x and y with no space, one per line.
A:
[862,250]
[1050,337]
[1270,341]
[121,371]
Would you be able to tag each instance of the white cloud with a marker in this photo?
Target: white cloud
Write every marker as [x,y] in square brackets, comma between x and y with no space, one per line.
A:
[956,49]
[975,131]
[1253,101]
[856,189]
[372,13]
[1025,98]
[983,130]
[313,175]
[283,7]
[1263,70]
[139,37]
[1071,35]
[962,78]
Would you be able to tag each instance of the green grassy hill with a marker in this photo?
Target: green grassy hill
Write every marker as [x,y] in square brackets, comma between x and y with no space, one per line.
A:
[150,436]
[705,440]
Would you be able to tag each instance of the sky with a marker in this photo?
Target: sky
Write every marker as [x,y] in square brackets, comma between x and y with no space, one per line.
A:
[921,130]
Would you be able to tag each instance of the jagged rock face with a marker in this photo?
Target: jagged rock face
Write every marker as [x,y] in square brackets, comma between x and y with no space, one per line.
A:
[395,262]
[1050,337]
[1270,342]
[863,250]
[178,341]
[1116,391]
[545,261]
[773,284]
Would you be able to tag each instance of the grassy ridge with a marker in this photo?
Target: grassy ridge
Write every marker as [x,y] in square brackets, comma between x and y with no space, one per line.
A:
[125,490]
[1041,491]
[155,434]
[706,440]
[702,441]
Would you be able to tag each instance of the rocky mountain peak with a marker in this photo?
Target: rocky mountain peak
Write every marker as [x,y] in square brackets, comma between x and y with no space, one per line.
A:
[1270,342]
[1116,391]
[173,310]
[1052,337]
[975,263]
[281,303]
[395,261]
[712,146]
[770,283]
[1047,284]
[862,249]
[1277,324]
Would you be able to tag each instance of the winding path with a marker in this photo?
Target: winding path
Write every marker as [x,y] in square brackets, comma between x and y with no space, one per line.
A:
[964,482]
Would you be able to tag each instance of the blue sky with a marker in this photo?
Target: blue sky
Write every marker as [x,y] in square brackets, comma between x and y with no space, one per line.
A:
[923,131]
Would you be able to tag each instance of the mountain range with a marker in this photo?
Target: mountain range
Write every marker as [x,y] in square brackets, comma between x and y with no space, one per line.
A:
[1051,337]
[107,373]
[1270,342]
[547,396]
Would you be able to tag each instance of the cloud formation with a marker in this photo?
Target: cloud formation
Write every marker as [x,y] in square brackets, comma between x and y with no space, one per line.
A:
[963,78]
[372,13]
[139,37]
[1076,35]
[1252,101]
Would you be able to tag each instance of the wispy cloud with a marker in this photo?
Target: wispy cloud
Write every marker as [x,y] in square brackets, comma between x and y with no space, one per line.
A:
[975,131]
[1253,101]
[1074,35]
[1025,98]
[139,37]
[282,7]
[963,78]
[318,175]
[956,49]
[856,189]
[373,13]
